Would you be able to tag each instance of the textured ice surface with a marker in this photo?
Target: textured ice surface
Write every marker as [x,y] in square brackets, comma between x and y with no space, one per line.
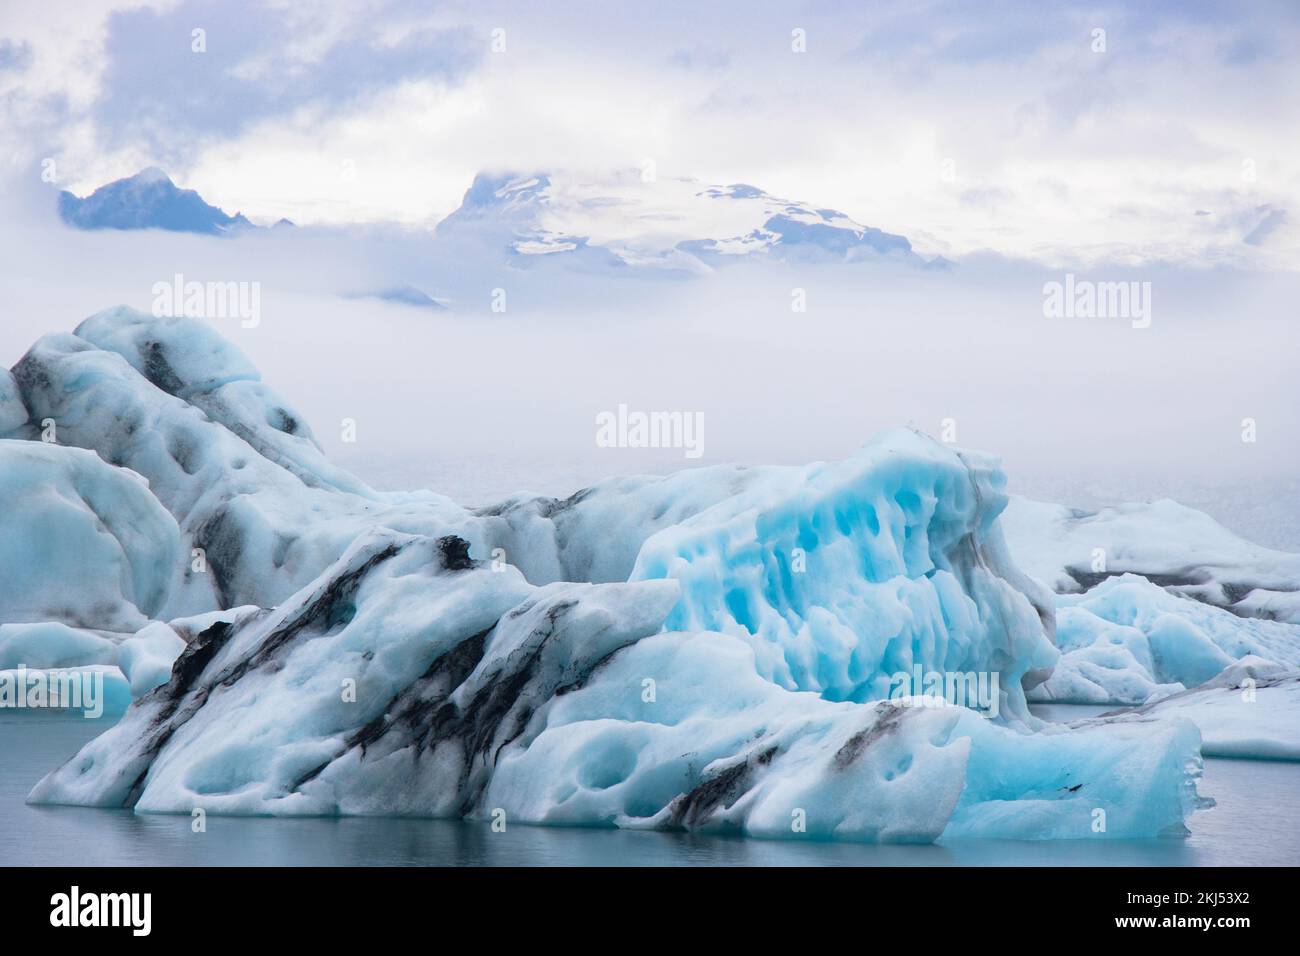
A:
[188,628]
[146,657]
[1174,546]
[409,679]
[1128,641]
[186,358]
[597,533]
[182,356]
[840,575]
[81,542]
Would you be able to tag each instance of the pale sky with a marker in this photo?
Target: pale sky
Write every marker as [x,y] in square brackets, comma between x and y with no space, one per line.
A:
[1002,126]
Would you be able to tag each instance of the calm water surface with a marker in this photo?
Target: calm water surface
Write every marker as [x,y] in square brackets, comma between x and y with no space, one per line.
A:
[1256,823]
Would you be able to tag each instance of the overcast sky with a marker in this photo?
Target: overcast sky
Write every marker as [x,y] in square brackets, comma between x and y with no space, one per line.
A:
[999,125]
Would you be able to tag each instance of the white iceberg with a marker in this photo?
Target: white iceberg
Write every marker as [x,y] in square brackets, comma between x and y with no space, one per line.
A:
[1251,710]
[1176,547]
[1127,641]
[840,575]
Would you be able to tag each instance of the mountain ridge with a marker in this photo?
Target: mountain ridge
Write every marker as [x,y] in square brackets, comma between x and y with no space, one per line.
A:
[148,200]
[675,223]
[603,223]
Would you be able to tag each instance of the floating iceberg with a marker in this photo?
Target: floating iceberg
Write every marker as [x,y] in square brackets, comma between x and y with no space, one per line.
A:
[1250,710]
[1128,641]
[704,650]
[839,575]
[96,690]
[49,644]
[411,679]
[260,511]
[81,542]
[1176,547]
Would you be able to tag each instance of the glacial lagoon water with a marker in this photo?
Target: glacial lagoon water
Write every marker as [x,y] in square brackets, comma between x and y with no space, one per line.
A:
[1256,823]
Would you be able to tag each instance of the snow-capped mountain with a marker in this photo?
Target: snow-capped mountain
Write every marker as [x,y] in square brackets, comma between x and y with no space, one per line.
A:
[674,223]
[147,200]
[590,222]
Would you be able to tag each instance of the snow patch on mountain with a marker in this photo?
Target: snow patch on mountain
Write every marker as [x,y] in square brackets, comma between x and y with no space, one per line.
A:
[671,224]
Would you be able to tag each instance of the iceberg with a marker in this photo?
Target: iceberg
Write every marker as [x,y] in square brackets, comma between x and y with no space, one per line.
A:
[1128,641]
[412,679]
[842,576]
[1181,549]
[97,690]
[707,650]
[839,575]
[899,544]
[81,542]
[1250,710]
[255,525]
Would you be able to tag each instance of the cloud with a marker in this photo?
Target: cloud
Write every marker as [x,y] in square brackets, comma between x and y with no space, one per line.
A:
[965,128]
[257,61]
[15,55]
